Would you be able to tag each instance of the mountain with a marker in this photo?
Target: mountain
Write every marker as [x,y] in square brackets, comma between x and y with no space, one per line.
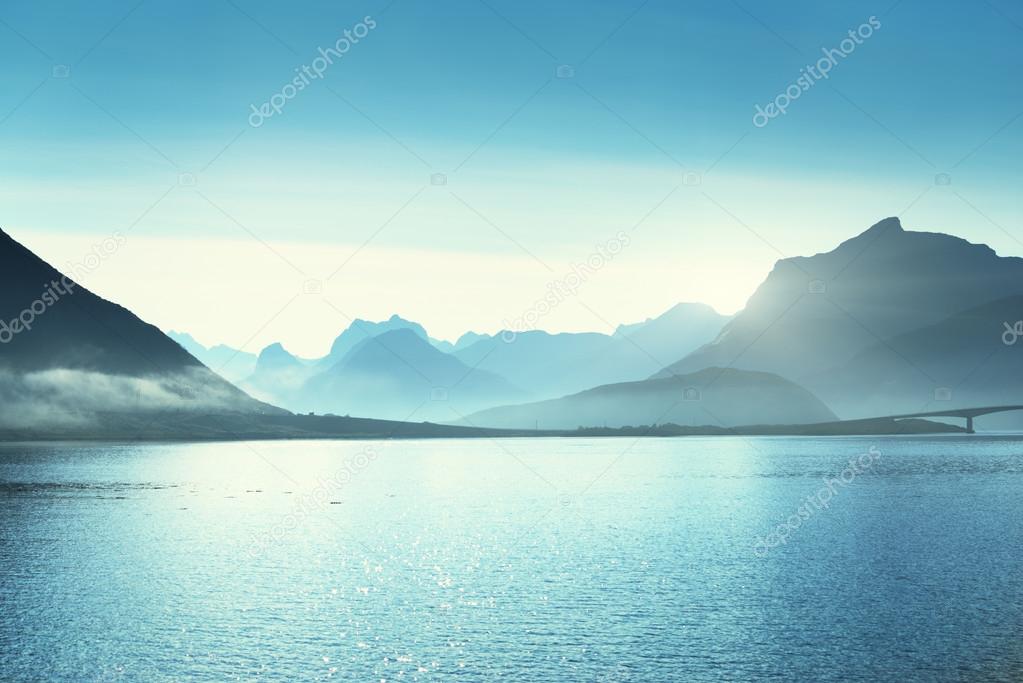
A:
[231,364]
[671,335]
[400,375]
[713,396]
[66,354]
[278,376]
[361,330]
[814,315]
[543,363]
[551,365]
[969,359]
[468,339]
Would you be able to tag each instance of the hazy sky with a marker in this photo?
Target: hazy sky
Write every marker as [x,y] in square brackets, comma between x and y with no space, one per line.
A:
[134,117]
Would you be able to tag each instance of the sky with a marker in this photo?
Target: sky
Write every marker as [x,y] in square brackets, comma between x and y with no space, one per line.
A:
[453,161]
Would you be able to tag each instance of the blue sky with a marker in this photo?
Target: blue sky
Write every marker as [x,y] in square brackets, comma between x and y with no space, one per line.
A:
[539,169]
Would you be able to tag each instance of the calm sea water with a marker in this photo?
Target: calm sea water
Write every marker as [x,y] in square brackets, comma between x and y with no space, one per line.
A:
[607,560]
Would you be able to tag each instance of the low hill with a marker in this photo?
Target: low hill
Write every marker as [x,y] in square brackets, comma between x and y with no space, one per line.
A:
[713,396]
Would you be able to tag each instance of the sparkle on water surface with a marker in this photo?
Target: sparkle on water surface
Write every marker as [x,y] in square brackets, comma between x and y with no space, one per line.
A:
[513,560]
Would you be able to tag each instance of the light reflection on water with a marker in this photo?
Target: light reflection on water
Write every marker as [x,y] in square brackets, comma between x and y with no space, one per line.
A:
[517,560]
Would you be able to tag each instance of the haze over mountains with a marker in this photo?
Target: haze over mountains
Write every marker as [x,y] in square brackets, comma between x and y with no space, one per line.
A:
[558,364]
[395,370]
[721,397]
[880,323]
[233,365]
[67,355]
[888,322]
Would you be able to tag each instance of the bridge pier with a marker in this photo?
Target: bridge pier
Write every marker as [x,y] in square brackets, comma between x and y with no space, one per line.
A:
[969,425]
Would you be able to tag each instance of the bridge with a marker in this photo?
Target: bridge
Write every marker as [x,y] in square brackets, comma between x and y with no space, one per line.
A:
[968,413]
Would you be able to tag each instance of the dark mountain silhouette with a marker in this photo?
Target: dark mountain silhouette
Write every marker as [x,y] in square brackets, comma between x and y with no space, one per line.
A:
[713,396]
[400,375]
[813,315]
[67,353]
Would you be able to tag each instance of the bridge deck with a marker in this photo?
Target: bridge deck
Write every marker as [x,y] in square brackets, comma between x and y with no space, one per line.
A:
[960,412]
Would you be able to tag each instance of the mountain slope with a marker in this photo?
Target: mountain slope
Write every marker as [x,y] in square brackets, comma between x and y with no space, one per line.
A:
[400,375]
[960,362]
[65,353]
[713,396]
[813,314]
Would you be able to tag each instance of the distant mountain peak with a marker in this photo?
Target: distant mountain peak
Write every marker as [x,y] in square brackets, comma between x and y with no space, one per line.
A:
[273,349]
[360,330]
[276,356]
[888,227]
[814,313]
[885,224]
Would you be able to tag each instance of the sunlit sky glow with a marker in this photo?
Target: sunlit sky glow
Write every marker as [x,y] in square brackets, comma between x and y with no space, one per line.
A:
[540,170]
